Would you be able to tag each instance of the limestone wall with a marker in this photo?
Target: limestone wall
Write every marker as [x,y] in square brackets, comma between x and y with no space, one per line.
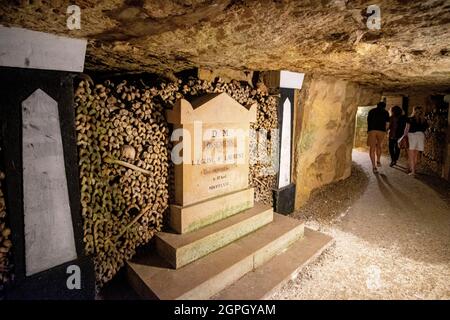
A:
[419,100]
[392,101]
[325,131]
[331,37]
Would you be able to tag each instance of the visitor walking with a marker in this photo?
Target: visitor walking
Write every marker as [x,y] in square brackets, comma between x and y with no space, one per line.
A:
[397,123]
[377,121]
[415,130]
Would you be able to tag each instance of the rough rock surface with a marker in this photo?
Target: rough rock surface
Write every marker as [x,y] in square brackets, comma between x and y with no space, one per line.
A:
[323,147]
[327,37]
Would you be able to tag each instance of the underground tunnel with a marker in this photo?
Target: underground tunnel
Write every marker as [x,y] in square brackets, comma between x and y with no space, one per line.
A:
[221,150]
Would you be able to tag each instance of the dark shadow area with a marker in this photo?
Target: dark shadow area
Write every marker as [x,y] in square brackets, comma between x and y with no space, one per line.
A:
[439,185]
[400,168]
[118,289]
[387,193]
[391,192]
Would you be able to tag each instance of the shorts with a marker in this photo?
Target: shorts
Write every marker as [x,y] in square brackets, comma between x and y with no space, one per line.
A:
[416,140]
[375,137]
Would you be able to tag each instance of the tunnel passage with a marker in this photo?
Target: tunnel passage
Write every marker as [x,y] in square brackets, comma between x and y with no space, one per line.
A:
[144,56]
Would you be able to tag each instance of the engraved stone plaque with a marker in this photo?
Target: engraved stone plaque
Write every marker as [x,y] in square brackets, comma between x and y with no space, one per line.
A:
[215,147]
[211,156]
[49,235]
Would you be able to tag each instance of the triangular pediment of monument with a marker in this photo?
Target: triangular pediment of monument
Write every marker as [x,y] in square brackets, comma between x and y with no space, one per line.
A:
[211,108]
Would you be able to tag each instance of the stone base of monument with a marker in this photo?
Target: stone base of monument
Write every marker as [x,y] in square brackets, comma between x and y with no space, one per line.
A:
[195,216]
[181,249]
[259,259]
[284,199]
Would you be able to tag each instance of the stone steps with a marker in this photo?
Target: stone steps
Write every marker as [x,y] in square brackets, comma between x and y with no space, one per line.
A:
[263,281]
[152,276]
[182,249]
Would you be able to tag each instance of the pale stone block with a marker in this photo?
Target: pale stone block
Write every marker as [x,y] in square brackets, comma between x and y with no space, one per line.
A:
[24,48]
[215,147]
[193,217]
[49,235]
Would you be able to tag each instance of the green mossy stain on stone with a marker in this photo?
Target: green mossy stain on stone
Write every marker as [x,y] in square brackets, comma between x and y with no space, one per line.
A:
[219,215]
[307,140]
[222,238]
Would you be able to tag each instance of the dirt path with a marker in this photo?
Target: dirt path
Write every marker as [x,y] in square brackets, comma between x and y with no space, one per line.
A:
[392,243]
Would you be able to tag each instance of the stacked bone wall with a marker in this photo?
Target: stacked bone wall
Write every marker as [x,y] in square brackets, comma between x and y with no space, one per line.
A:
[6,268]
[124,159]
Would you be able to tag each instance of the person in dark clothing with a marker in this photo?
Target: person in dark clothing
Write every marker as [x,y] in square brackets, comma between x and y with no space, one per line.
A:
[416,126]
[397,123]
[377,121]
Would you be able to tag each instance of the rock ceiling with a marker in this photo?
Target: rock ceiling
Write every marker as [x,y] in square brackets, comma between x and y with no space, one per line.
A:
[411,50]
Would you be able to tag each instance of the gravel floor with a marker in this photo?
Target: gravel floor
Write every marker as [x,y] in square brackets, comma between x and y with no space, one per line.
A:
[392,234]
[332,201]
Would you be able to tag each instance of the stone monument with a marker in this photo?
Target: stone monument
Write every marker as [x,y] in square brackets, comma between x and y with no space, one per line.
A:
[211,157]
[287,83]
[40,157]
[211,182]
[217,234]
